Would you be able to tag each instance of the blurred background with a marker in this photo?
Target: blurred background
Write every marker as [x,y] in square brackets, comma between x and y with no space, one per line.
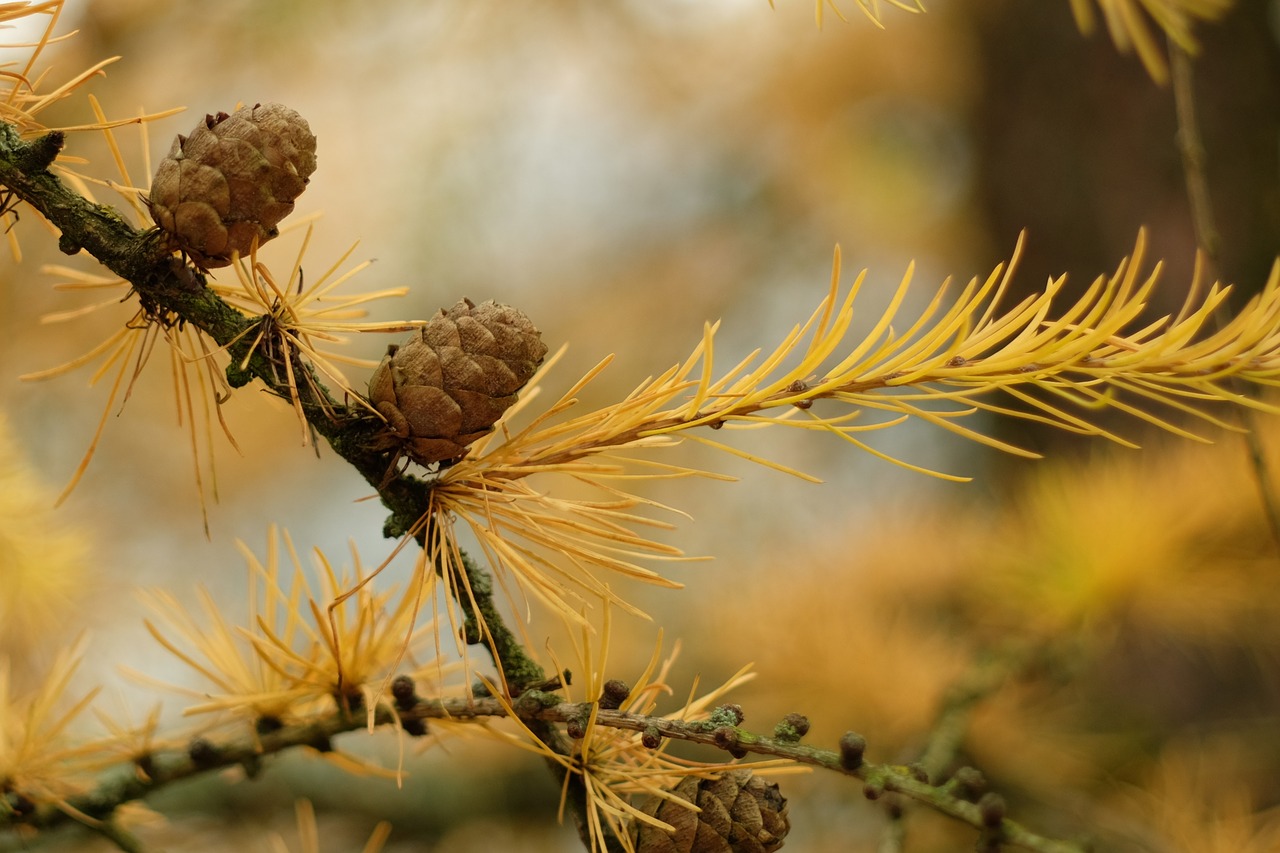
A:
[623,172]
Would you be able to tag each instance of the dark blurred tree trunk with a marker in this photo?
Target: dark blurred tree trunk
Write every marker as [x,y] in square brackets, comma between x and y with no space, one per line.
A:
[1077,144]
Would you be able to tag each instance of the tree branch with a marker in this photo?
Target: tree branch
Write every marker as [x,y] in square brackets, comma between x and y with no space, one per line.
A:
[171,293]
[535,708]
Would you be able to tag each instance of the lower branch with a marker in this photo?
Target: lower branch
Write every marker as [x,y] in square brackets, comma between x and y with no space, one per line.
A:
[540,711]
[952,722]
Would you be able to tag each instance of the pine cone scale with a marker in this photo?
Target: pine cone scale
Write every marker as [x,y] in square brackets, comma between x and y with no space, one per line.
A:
[430,412]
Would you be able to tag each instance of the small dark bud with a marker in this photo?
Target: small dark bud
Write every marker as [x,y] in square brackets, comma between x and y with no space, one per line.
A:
[799,722]
[852,748]
[727,715]
[267,724]
[726,737]
[615,693]
[405,692]
[992,809]
[872,790]
[576,728]
[568,677]
[918,772]
[893,808]
[968,783]
[792,728]
[414,726]
[651,737]
[202,753]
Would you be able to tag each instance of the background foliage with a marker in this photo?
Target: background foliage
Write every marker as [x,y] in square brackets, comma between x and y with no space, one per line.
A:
[668,163]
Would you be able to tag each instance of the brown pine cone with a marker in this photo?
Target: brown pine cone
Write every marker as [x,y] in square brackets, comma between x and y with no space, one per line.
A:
[450,383]
[740,814]
[232,180]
